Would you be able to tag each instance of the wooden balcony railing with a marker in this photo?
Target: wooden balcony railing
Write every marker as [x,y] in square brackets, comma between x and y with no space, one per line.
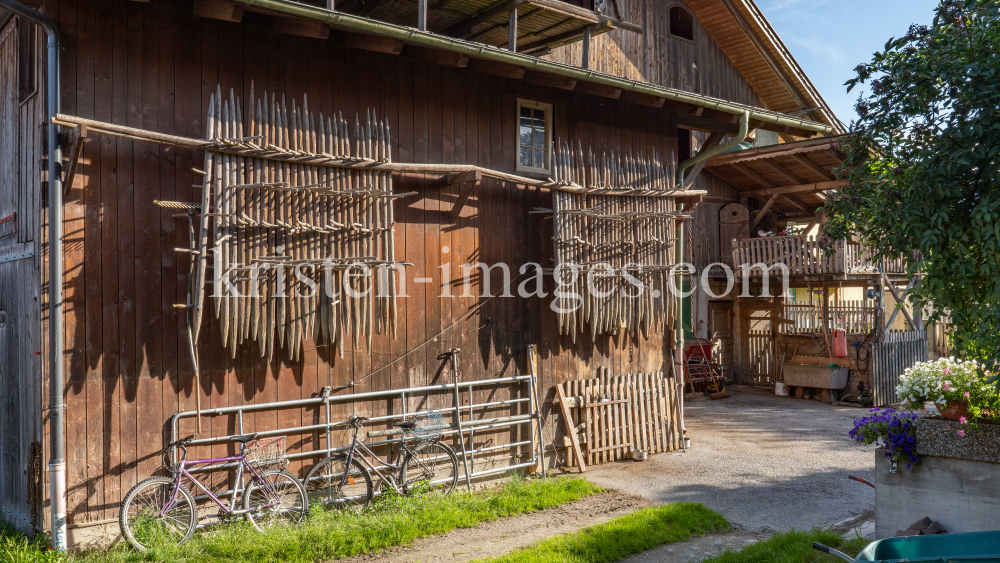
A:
[805,255]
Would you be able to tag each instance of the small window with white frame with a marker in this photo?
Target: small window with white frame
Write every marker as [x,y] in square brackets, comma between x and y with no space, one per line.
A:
[534,136]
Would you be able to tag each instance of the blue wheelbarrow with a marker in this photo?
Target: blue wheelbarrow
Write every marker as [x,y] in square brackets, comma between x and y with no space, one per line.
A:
[980,547]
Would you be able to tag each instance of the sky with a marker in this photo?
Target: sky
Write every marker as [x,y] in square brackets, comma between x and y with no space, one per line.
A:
[829,38]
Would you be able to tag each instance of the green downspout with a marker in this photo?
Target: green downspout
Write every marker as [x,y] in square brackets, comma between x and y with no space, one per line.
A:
[679,258]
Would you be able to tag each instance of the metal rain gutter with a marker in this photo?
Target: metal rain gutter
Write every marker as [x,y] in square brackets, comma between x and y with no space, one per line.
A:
[57,458]
[679,329]
[480,51]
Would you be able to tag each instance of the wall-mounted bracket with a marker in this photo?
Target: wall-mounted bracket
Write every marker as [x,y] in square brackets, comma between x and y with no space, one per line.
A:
[467,181]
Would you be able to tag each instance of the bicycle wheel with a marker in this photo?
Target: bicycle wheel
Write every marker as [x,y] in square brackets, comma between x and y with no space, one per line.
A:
[430,467]
[326,486]
[276,497]
[151,516]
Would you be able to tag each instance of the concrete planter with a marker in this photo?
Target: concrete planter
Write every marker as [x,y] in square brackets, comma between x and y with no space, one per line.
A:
[955,482]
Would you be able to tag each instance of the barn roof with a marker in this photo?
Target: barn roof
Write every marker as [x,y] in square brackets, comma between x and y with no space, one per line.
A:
[747,38]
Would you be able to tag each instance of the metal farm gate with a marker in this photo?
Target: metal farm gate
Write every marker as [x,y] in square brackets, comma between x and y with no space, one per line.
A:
[897,351]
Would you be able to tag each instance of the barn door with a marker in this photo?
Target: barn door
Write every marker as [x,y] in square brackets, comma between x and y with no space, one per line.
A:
[734,223]
[759,344]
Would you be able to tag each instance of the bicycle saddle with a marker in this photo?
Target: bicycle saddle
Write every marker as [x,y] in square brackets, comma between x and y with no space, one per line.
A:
[243,438]
[404,424]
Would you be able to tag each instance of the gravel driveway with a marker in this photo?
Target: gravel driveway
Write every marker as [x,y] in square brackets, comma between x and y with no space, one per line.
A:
[767,463]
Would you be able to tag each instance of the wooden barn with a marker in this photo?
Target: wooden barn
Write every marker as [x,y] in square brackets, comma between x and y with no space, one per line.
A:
[183,145]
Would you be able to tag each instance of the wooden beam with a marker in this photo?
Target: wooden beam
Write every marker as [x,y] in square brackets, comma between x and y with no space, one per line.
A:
[692,174]
[567,9]
[642,99]
[746,171]
[300,27]
[218,10]
[804,161]
[585,55]
[570,427]
[437,56]
[467,184]
[763,212]
[567,37]
[780,170]
[496,68]
[552,80]
[375,43]
[77,137]
[595,89]
[464,27]
[804,188]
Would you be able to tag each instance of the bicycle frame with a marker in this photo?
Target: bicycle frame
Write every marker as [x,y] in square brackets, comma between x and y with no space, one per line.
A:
[182,471]
[366,451]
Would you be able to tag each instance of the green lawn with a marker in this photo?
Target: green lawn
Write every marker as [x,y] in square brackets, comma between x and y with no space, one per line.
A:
[326,535]
[794,547]
[623,536]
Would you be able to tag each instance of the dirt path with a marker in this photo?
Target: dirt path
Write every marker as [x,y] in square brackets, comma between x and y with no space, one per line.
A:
[507,534]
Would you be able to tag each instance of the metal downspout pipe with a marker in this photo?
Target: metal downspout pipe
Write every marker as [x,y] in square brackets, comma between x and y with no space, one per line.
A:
[679,321]
[57,458]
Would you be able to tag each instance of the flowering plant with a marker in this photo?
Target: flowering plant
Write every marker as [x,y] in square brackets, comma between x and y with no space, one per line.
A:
[893,429]
[943,381]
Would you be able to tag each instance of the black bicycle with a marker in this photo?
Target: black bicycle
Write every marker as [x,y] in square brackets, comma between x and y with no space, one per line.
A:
[424,464]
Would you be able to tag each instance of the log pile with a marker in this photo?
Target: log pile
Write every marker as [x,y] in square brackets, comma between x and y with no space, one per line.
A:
[608,246]
[282,235]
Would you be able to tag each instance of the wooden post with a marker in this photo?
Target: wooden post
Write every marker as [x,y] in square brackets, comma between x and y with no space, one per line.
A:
[422,15]
[330,5]
[585,58]
[512,31]
[571,428]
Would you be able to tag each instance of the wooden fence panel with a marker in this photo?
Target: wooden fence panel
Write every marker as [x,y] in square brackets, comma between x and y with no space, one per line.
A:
[898,351]
[613,415]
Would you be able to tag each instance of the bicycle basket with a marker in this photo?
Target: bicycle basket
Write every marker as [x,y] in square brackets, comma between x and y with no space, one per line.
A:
[428,425]
[264,452]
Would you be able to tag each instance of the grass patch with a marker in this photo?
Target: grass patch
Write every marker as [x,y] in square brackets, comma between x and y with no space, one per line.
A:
[794,547]
[15,547]
[391,522]
[623,536]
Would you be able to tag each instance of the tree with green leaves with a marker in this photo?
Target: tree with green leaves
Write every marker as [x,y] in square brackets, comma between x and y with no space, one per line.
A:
[922,167]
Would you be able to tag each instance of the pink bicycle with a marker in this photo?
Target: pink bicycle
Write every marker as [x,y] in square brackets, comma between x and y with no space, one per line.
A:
[161,511]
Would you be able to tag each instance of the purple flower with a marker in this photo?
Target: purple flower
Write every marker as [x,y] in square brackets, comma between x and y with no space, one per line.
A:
[961,432]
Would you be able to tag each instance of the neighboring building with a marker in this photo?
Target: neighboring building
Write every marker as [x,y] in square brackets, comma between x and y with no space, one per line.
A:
[644,86]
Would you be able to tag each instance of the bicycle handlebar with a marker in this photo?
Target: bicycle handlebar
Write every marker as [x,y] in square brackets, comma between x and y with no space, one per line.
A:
[182,444]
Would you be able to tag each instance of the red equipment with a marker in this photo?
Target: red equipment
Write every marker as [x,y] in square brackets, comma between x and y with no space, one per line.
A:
[839,343]
[699,370]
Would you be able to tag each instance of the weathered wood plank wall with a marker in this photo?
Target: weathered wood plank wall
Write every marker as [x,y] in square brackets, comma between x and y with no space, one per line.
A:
[656,56]
[22,102]
[153,65]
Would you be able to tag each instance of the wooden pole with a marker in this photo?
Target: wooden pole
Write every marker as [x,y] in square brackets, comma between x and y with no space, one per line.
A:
[585,57]
[422,15]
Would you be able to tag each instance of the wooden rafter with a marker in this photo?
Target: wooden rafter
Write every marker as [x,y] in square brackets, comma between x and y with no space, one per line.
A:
[781,171]
[763,211]
[746,171]
[803,188]
[805,161]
